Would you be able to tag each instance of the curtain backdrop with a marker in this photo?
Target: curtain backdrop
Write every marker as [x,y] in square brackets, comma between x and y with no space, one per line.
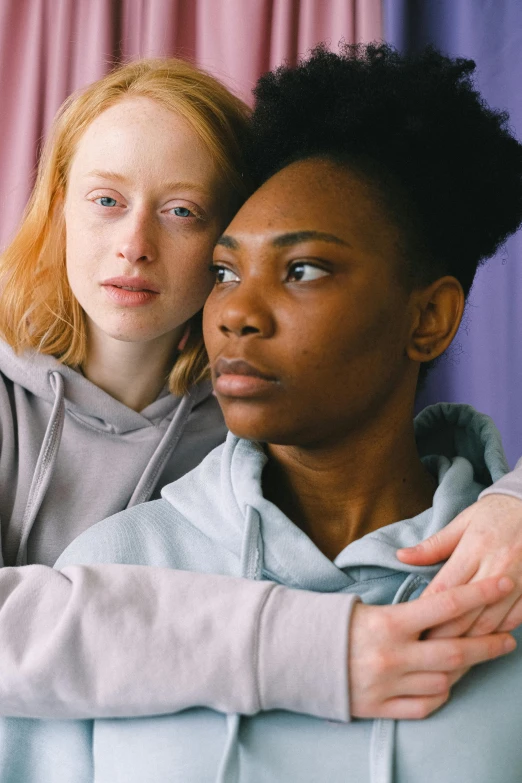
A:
[49,48]
[484,368]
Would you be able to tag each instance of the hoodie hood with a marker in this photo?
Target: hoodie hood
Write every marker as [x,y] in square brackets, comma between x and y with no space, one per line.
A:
[460,447]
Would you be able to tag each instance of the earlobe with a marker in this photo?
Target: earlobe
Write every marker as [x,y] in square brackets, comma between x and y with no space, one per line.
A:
[438,312]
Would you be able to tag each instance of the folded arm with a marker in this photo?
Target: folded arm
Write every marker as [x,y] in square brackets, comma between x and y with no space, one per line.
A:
[122,640]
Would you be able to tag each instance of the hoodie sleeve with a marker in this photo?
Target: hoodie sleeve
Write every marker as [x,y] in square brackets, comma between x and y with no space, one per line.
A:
[125,641]
[510,484]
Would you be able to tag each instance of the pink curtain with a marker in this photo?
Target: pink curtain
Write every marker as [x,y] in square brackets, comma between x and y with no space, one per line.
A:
[49,48]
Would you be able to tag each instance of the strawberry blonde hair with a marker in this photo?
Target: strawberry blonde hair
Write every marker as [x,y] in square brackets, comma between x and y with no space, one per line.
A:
[39,310]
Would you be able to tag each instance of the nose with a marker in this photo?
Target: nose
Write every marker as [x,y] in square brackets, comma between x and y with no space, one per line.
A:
[136,241]
[246,312]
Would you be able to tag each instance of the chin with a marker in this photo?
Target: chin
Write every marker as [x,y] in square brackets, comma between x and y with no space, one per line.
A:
[251,430]
[129,330]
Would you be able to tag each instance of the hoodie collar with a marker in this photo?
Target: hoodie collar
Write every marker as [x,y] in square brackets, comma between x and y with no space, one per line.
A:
[469,455]
[83,399]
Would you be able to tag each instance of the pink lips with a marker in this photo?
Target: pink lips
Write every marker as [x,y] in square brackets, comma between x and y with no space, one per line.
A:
[238,378]
[130,291]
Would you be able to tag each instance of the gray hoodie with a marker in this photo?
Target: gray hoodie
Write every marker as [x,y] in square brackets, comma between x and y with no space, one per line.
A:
[215,519]
[150,640]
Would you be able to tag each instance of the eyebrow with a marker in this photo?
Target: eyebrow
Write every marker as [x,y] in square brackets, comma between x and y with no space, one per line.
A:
[287,240]
[225,240]
[295,237]
[122,178]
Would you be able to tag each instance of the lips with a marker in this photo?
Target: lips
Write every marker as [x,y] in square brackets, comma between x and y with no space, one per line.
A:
[239,367]
[238,378]
[128,283]
[129,291]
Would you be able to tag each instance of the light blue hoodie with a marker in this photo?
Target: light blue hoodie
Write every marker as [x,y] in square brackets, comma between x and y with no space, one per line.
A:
[215,519]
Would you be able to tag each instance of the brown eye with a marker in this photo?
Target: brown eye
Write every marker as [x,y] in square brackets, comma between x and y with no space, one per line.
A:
[224,275]
[304,272]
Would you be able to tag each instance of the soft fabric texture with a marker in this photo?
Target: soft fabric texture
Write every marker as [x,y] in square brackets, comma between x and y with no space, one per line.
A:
[215,519]
[57,429]
[511,484]
[119,640]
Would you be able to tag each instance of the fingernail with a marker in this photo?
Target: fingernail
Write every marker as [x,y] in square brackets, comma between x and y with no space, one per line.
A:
[509,644]
[505,584]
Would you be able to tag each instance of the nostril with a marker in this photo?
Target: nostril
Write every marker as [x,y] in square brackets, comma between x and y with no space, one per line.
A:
[249,330]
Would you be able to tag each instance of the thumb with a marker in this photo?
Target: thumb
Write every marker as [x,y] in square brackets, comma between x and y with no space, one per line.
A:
[437,547]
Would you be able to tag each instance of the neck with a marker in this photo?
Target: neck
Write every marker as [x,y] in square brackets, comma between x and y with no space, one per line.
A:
[337,493]
[133,373]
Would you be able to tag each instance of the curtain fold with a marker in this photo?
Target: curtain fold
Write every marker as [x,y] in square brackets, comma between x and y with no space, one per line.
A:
[484,366]
[49,48]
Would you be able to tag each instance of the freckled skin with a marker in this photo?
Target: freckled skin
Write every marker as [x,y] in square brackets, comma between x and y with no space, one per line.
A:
[149,150]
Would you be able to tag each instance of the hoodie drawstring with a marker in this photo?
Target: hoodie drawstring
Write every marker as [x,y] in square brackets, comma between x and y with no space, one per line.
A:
[49,452]
[45,465]
[250,568]
[164,449]
[382,743]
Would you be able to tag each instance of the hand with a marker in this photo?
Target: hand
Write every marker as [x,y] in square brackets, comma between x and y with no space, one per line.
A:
[394,673]
[486,540]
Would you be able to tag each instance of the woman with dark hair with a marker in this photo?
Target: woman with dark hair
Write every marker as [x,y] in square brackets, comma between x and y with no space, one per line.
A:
[337,283]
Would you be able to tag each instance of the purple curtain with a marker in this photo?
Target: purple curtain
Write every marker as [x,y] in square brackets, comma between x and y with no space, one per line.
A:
[49,48]
[484,366]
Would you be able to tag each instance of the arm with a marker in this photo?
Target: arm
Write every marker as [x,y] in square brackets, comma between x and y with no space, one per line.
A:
[484,540]
[121,640]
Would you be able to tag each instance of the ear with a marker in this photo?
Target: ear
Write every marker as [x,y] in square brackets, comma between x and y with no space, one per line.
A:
[437,314]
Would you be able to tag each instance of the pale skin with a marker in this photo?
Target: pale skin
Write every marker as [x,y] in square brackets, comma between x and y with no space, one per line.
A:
[484,540]
[487,539]
[143,201]
[319,314]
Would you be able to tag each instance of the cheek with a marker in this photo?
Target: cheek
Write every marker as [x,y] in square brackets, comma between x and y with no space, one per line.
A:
[82,244]
[338,350]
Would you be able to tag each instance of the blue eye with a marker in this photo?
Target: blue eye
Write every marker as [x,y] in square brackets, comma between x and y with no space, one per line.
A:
[106,201]
[182,212]
[224,275]
[305,272]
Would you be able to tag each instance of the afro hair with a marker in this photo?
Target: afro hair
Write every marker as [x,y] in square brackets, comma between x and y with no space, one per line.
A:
[445,164]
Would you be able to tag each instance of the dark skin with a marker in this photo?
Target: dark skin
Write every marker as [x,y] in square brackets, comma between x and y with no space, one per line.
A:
[315,341]
[312,293]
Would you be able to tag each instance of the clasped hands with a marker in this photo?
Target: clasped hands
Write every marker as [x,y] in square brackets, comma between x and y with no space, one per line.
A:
[404,659]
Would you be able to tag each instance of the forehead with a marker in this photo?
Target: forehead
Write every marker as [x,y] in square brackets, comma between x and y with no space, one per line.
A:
[317,195]
[140,132]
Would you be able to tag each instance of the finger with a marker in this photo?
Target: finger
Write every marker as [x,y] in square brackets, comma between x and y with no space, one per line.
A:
[437,547]
[513,618]
[454,677]
[411,707]
[448,655]
[423,684]
[453,628]
[426,613]
[458,570]
[491,618]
